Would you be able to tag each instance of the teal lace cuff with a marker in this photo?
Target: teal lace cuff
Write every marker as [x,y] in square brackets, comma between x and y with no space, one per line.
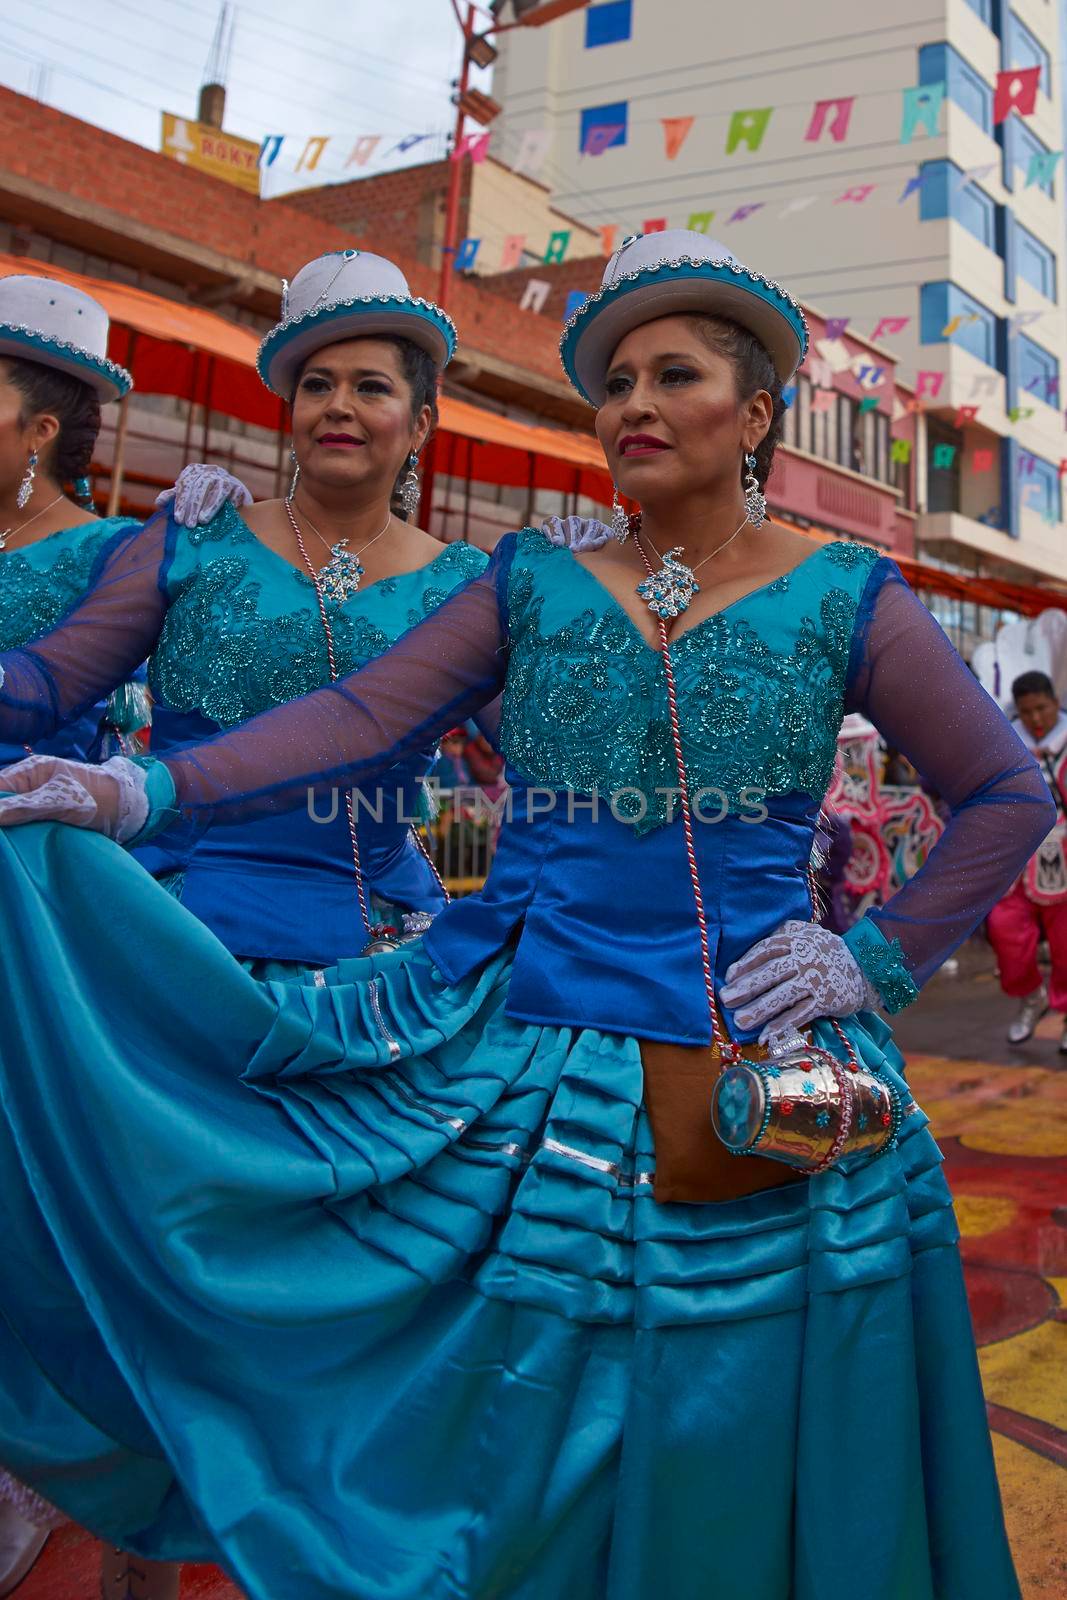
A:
[882,962]
[159,788]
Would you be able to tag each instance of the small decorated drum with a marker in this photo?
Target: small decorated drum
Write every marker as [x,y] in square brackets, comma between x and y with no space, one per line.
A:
[804,1108]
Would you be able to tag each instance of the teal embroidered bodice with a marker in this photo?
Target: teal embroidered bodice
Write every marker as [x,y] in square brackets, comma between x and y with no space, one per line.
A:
[39,583]
[760,684]
[243,630]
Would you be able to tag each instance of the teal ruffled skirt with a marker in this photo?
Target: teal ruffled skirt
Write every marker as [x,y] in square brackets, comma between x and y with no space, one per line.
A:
[360,1289]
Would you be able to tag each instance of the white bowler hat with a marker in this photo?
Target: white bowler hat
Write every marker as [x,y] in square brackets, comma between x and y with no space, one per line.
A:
[58,326]
[667,274]
[348,294]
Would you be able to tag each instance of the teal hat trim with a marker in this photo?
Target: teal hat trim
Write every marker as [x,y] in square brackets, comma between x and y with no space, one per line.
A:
[396,309]
[728,273]
[109,380]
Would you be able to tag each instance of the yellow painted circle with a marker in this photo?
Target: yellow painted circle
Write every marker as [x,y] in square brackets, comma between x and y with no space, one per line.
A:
[983,1213]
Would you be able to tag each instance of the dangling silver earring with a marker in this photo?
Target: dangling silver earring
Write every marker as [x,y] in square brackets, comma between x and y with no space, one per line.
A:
[411,489]
[22,499]
[620,519]
[296,471]
[755,499]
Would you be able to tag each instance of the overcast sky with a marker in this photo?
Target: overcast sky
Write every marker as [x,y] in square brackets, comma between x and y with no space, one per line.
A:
[340,67]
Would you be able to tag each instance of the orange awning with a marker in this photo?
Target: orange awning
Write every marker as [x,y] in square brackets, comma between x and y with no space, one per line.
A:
[998,593]
[173,348]
[475,444]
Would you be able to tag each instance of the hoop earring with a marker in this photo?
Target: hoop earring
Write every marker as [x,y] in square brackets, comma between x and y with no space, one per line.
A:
[620,519]
[411,489]
[22,499]
[755,499]
[296,472]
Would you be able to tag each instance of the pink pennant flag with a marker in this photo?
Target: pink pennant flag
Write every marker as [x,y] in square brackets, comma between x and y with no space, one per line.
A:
[927,382]
[675,133]
[858,193]
[654,225]
[965,414]
[982,461]
[889,326]
[363,149]
[514,245]
[823,399]
[475,145]
[842,113]
[1016,91]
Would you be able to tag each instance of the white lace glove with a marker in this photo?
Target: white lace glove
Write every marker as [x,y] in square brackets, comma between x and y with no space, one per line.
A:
[575,533]
[797,974]
[110,798]
[200,493]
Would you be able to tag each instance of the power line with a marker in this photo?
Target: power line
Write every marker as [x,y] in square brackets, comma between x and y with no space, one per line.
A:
[333,94]
[284,31]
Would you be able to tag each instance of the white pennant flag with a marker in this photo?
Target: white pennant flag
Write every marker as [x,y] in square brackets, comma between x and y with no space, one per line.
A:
[533,150]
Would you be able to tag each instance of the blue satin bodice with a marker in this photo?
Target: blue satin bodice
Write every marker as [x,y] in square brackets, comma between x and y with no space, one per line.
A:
[39,583]
[242,632]
[602,904]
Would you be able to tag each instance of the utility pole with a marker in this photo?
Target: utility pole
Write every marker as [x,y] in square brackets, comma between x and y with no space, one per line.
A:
[477,47]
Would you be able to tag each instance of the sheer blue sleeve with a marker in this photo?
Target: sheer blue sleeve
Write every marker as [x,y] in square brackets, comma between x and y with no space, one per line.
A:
[906,678]
[98,644]
[434,677]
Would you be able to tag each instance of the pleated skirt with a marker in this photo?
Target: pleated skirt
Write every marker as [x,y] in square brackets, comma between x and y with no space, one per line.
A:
[358,1287]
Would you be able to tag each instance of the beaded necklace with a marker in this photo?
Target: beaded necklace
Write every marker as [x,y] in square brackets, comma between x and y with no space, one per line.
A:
[376,930]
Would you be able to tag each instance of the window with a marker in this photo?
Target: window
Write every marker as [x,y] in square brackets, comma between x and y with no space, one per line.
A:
[1038,373]
[943,196]
[984,9]
[616,116]
[1021,144]
[1035,262]
[1021,49]
[944,451]
[941,303]
[610,22]
[1039,485]
[965,87]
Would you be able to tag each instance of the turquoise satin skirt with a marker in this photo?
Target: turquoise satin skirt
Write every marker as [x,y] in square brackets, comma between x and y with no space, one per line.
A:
[359,1288]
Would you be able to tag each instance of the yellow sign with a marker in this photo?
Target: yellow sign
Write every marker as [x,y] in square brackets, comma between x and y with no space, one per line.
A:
[208,150]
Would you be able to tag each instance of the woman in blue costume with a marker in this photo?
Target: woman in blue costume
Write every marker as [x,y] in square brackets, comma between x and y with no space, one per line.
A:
[424,1278]
[54,376]
[250,610]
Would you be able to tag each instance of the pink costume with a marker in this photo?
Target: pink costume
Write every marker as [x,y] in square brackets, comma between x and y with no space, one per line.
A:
[1036,905]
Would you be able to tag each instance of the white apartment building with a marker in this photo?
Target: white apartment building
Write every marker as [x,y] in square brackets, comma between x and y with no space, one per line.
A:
[961,258]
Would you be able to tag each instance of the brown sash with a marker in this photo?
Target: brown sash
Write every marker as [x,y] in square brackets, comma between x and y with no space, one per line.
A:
[693,1165]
